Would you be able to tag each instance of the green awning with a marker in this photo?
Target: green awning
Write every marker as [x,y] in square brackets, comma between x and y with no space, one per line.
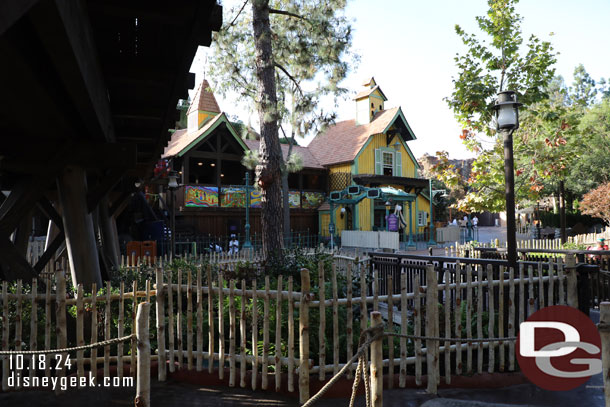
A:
[396,194]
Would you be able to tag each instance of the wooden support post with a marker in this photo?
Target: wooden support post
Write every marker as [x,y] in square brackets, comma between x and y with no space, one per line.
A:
[431,328]
[108,231]
[143,383]
[604,331]
[78,226]
[377,362]
[304,337]
[160,301]
[570,270]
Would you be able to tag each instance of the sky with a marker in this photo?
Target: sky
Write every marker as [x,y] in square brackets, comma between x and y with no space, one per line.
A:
[409,47]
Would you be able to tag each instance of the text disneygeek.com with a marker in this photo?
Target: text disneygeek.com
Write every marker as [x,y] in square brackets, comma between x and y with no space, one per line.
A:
[19,376]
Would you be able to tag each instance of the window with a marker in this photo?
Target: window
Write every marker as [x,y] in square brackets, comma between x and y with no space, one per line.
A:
[388,163]
[422,218]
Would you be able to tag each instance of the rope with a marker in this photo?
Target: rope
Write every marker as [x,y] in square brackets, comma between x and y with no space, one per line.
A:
[360,352]
[441,339]
[63,350]
[373,334]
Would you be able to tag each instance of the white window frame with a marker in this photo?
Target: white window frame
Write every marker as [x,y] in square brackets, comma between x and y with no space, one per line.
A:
[383,163]
[422,218]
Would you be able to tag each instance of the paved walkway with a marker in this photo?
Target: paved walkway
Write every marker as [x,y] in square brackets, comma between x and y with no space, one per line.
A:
[172,394]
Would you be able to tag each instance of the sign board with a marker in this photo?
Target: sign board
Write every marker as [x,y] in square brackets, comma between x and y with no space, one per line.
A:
[373,193]
[335,195]
[353,190]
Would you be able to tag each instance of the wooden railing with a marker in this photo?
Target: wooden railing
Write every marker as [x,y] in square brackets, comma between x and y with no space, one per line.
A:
[272,329]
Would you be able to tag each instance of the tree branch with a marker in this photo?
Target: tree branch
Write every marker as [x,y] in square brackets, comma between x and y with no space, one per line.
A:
[287,13]
[290,77]
[237,15]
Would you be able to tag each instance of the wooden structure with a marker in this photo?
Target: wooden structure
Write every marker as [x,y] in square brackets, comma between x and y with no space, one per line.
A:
[211,199]
[202,320]
[371,150]
[88,97]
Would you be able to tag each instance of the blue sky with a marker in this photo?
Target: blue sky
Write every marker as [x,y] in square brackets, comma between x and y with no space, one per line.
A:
[409,46]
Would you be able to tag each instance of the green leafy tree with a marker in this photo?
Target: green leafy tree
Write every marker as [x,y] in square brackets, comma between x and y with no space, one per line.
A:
[591,166]
[283,58]
[502,61]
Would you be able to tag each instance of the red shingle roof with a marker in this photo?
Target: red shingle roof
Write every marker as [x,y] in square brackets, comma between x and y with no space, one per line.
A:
[309,161]
[342,142]
[204,99]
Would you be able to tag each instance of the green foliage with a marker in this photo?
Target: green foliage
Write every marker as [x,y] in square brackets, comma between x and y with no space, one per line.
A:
[311,50]
[551,219]
[573,246]
[503,62]
[592,166]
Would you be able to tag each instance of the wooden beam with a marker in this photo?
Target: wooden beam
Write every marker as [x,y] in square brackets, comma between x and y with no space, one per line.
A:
[12,10]
[49,252]
[64,29]
[21,200]
[78,226]
[49,211]
[118,205]
[82,154]
[222,156]
[108,182]
[206,18]
[14,265]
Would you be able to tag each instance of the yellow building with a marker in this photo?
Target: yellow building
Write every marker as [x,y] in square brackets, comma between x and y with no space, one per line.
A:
[371,150]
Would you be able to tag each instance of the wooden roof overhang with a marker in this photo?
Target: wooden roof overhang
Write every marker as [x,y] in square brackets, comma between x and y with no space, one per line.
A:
[416,184]
[399,127]
[98,71]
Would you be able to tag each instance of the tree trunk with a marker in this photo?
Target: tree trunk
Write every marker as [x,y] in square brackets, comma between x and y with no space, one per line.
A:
[269,170]
[286,207]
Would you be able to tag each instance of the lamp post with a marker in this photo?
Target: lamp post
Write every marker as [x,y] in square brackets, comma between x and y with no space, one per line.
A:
[247,244]
[172,184]
[507,121]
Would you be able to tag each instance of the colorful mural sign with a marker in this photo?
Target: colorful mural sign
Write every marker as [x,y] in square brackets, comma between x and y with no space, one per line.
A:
[200,197]
[311,200]
[233,197]
[294,199]
[255,199]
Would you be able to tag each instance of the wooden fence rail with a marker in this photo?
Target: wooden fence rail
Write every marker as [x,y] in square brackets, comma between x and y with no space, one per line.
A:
[284,328]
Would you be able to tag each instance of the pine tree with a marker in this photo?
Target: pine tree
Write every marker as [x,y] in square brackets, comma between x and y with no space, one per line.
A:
[283,59]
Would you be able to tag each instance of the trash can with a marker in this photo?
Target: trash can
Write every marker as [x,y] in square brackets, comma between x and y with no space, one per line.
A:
[134,250]
[149,250]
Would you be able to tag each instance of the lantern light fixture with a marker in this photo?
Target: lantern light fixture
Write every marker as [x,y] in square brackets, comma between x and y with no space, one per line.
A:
[507,111]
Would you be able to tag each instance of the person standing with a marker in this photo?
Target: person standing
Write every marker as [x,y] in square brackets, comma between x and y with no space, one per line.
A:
[233,245]
[475,221]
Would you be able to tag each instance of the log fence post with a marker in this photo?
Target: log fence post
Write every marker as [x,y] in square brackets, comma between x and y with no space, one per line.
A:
[304,337]
[377,362]
[572,280]
[143,358]
[431,328]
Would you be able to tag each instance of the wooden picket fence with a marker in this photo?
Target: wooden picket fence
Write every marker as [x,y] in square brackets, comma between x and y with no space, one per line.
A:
[46,302]
[537,244]
[289,331]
